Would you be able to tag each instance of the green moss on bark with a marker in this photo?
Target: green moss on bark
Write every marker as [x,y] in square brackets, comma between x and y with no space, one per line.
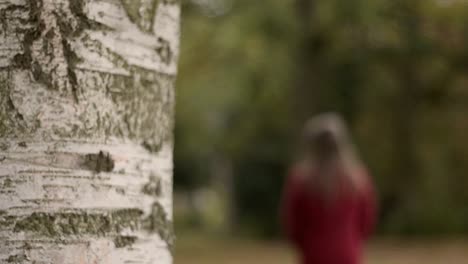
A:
[19,258]
[63,224]
[80,223]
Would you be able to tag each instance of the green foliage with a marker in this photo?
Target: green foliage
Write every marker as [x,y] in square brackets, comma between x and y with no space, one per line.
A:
[395,69]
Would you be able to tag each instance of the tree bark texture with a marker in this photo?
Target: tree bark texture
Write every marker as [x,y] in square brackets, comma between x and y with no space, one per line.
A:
[86,118]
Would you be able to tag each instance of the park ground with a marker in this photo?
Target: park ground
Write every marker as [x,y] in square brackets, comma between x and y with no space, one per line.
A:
[203,249]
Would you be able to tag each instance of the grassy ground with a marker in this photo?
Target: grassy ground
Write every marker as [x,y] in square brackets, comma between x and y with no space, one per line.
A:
[199,249]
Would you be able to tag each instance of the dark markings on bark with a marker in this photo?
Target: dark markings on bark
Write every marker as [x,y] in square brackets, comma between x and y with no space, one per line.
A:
[135,101]
[100,162]
[141,12]
[152,147]
[24,60]
[77,7]
[4,146]
[7,183]
[124,241]
[11,120]
[19,258]
[71,58]
[39,75]
[158,222]
[6,221]
[68,28]
[164,50]
[135,97]
[153,187]
[67,32]
[96,162]
[11,106]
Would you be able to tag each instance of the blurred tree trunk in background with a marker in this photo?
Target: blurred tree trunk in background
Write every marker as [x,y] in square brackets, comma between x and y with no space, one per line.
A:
[306,95]
[223,182]
[395,69]
[86,117]
[328,77]
[404,63]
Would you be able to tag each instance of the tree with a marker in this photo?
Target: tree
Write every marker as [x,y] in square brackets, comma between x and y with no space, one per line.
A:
[86,117]
[395,70]
[232,110]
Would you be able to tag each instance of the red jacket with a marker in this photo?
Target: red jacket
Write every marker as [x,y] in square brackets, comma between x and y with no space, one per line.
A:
[328,233]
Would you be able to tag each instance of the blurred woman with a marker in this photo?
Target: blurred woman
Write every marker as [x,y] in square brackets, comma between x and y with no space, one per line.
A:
[329,204]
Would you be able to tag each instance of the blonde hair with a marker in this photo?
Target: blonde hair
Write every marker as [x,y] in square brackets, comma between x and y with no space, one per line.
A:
[328,156]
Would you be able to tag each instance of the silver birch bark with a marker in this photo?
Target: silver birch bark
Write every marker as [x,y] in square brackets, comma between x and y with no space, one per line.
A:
[86,117]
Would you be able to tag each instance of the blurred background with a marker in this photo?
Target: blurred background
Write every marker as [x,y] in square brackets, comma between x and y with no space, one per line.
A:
[251,72]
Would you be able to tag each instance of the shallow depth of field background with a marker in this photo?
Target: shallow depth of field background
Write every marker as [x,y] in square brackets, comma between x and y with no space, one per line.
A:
[251,72]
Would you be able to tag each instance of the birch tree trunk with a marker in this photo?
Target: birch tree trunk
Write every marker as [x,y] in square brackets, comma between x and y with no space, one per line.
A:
[86,117]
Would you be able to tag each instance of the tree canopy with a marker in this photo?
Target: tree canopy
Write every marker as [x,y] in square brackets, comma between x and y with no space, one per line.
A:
[395,69]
